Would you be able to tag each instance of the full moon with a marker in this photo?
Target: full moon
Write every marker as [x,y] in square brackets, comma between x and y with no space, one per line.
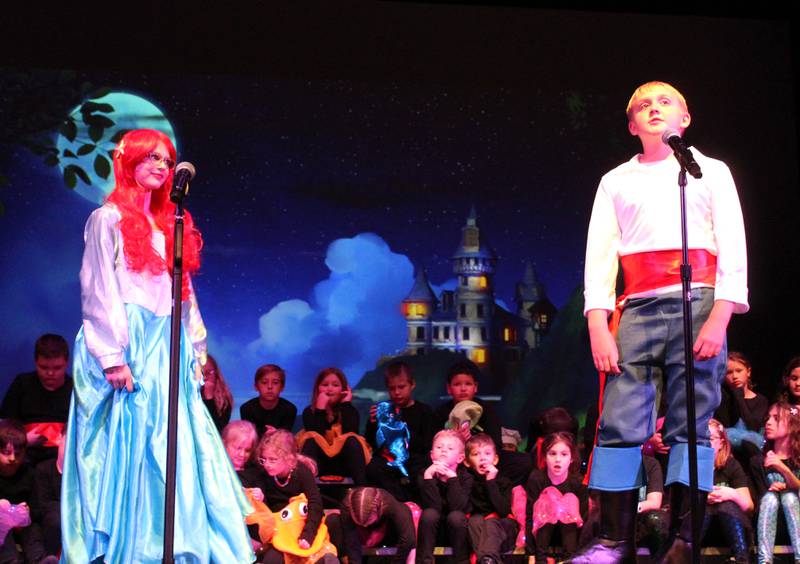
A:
[130,112]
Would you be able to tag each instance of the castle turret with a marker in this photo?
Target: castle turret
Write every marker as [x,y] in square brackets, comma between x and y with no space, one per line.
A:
[474,263]
[418,308]
[534,307]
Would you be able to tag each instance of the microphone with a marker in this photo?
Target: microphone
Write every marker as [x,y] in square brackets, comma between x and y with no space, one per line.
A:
[184,172]
[682,152]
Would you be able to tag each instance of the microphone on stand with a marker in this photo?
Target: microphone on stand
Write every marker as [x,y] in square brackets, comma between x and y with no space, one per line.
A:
[184,172]
[684,155]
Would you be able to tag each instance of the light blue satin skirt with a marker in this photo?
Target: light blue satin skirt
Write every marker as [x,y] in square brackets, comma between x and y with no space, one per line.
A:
[112,497]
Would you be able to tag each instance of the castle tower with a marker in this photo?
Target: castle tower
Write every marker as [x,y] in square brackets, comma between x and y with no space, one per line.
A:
[526,296]
[474,263]
[533,307]
[418,308]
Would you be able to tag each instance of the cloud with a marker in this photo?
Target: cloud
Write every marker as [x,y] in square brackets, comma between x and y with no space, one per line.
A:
[351,319]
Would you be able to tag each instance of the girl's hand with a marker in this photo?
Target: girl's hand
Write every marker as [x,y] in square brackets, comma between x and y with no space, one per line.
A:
[347,395]
[777,486]
[120,377]
[303,543]
[255,493]
[269,428]
[720,494]
[771,460]
[430,472]
[322,401]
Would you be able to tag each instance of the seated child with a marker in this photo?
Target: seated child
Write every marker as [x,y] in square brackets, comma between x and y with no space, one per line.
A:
[557,499]
[269,410]
[418,417]
[16,489]
[444,489]
[47,498]
[491,530]
[286,475]
[373,517]
[240,439]
[330,428]
[40,399]
[790,380]
[730,503]
[779,479]
[462,385]
[216,395]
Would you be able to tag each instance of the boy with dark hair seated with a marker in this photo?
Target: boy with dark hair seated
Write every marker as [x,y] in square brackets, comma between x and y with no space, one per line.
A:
[40,399]
[16,484]
[269,410]
[418,417]
[462,385]
[491,531]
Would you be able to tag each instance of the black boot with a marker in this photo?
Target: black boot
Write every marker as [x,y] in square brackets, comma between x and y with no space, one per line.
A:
[679,550]
[617,527]
[736,531]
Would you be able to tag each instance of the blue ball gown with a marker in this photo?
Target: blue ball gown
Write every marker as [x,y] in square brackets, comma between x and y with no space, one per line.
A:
[112,500]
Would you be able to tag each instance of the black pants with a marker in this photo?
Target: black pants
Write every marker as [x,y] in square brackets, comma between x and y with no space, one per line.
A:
[381,475]
[349,462]
[454,535]
[544,539]
[490,538]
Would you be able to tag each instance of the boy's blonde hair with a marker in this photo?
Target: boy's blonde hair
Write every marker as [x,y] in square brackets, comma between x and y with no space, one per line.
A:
[449,434]
[647,87]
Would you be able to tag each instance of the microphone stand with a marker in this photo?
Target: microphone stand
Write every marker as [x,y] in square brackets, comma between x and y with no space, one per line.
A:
[174,372]
[691,415]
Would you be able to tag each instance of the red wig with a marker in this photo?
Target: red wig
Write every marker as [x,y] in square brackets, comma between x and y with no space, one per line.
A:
[129,198]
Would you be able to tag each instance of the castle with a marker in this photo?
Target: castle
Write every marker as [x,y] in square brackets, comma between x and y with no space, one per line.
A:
[468,319]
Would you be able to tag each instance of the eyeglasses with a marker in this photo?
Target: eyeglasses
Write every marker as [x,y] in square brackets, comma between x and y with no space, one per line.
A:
[157,159]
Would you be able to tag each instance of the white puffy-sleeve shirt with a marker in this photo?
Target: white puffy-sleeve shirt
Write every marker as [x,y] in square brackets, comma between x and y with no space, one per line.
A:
[637,209]
[107,285]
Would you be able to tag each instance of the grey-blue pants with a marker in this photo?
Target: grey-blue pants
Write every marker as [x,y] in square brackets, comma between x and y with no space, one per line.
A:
[650,342]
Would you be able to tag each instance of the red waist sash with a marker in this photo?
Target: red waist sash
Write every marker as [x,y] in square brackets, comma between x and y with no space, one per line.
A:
[645,272]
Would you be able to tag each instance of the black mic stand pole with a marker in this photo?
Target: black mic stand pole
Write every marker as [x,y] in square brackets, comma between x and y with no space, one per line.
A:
[691,414]
[174,371]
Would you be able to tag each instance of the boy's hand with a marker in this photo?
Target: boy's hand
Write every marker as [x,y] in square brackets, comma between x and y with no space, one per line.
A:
[446,472]
[430,472]
[269,428]
[373,413]
[491,471]
[465,431]
[604,347]
[120,377]
[712,334]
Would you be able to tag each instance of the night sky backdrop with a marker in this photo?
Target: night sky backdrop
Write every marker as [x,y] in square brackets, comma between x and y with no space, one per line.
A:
[339,148]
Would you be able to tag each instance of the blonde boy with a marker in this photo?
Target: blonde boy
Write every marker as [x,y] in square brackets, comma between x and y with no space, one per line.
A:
[636,222]
[444,489]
